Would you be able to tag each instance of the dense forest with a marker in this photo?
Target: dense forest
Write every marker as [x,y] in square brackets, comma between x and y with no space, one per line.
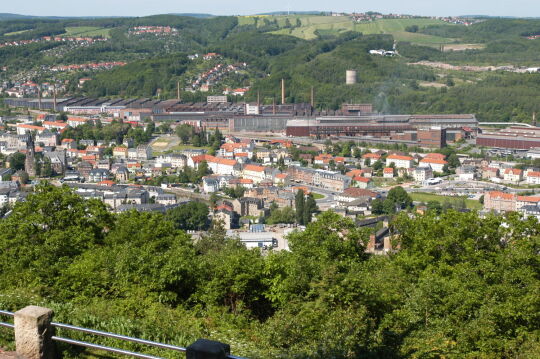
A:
[459,287]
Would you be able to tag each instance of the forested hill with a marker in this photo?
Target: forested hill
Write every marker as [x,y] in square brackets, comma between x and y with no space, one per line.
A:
[460,287]
[305,50]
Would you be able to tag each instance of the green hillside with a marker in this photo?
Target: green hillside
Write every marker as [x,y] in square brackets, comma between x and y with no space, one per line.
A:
[312,26]
[87,31]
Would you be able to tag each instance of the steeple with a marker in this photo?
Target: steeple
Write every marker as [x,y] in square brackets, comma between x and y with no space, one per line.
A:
[30,161]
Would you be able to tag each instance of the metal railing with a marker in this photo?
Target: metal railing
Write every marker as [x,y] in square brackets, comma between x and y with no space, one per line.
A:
[108,335]
[9,314]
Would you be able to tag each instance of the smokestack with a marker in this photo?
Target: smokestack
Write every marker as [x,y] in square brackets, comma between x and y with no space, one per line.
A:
[54,96]
[534,119]
[274,106]
[178,90]
[39,96]
[312,97]
[283,91]
[258,99]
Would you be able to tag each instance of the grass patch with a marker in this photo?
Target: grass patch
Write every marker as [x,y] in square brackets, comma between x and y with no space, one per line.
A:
[87,31]
[318,195]
[426,197]
[328,25]
[189,147]
[17,32]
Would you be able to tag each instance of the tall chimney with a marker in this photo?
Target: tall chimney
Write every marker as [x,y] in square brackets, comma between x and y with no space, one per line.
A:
[258,99]
[534,119]
[283,91]
[274,106]
[312,97]
[54,97]
[178,90]
[39,97]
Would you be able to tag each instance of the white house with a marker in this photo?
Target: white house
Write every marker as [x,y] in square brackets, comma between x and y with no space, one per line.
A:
[513,175]
[400,161]
[533,177]
[436,164]
[254,172]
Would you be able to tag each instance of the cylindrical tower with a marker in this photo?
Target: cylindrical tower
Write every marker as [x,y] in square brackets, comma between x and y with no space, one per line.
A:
[350,77]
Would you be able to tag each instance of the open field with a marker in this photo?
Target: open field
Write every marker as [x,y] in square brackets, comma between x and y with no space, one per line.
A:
[328,25]
[16,32]
[426,197]
[87,31]
[463,47]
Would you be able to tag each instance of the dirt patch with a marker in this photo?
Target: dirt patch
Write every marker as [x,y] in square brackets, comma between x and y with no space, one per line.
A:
[463,47]
[431,84]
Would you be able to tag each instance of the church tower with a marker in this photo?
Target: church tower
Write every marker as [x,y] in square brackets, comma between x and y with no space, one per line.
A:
[30,161]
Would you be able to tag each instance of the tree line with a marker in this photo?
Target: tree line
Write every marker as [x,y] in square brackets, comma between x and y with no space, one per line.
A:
[459,286]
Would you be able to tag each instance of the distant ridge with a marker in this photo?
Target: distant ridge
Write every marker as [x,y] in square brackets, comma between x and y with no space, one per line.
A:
[202,16]
[294,13]
[7,16]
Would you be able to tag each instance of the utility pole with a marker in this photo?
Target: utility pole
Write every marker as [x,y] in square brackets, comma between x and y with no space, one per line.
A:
[39,97]
[283,91]
[54,96]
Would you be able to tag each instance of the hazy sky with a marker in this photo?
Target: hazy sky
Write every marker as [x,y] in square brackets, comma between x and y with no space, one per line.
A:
[530,8]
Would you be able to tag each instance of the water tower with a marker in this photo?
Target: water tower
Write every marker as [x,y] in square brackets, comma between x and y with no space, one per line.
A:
[350,77]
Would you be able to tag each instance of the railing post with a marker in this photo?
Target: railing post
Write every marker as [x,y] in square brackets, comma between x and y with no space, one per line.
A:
[33,333]
[208,349]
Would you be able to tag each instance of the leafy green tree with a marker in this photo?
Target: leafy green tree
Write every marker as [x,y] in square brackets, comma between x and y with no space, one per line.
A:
[377,206]
[400,197]
[184,132]
[16,161]
[47,232]
[310,207]
[434,206]
[47,168]
[284,215]
[299,206]
[389,206]
[190,216]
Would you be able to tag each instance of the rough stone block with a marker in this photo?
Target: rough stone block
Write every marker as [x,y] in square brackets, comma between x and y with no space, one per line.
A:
[33,333]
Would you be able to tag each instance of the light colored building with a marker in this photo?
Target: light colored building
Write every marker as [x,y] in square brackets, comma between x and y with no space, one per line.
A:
[362,182]
[421,174]
[144,152]
[500,201]
[514,175]
[400,161]
[388,172]
[533,177]
[120,152]
[436,164]
[254,172]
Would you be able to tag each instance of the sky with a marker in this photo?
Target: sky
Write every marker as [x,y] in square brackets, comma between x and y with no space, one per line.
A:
[526,8]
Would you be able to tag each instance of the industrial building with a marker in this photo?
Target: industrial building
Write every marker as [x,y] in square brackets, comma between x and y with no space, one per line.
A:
[424,130]
[514,137]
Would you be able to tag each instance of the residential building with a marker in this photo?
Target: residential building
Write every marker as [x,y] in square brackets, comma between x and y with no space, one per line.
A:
[388,172]
[98,175]
[500,201]
[420,174]
[254,172]
[120,152]
[533,177]
[400,161]
[436,165]
[353,194]
[513,175]
[362,182]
